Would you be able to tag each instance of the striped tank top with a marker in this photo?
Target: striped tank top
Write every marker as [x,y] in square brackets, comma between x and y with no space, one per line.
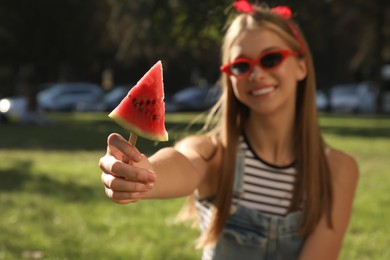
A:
[266,187]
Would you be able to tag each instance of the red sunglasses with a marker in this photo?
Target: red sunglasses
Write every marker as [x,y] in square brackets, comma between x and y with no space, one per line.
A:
[242,67]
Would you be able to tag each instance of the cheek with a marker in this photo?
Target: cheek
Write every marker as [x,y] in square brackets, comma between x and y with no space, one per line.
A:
[238,87]
[298,69]
[291,74]
[286,79]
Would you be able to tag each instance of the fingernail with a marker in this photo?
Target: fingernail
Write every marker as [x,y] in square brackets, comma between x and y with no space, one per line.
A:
[151,176]
[137,157]
[149,185]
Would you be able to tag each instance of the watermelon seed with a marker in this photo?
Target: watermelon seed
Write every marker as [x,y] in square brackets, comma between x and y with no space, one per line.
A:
[134,100]
[148,102]
[155,117]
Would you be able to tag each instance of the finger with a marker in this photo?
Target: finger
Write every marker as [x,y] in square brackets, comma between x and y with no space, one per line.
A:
[111,165]
[123,197]
[116,141]
[123,185]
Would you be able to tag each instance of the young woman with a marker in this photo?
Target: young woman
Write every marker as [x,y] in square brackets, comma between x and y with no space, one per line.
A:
[264,183]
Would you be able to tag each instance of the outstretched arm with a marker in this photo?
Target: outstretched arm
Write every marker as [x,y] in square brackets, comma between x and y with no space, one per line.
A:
[171,172]
[325,243]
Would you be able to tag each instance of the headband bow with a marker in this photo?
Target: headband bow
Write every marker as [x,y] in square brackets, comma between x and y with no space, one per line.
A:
[282,11]
[244,6]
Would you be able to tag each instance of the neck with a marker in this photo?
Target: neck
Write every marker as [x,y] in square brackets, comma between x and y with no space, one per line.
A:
[272,137]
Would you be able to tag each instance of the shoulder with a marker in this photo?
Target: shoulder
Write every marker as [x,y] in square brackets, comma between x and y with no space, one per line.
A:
[341,163]
[344,169]
[325,241]
[202,145]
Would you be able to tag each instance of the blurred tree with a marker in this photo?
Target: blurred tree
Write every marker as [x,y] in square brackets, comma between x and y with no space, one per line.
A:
[80,39]
[188,33]
[350,40]
[53,36]
[184,34]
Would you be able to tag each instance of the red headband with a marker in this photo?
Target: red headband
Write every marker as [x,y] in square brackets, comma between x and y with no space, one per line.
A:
[284,12]
[244,6]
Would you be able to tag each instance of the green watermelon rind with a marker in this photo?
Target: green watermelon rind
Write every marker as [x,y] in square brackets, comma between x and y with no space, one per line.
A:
[138,131]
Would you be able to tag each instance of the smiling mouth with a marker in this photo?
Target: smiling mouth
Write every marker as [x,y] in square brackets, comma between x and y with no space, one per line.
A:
[262,91]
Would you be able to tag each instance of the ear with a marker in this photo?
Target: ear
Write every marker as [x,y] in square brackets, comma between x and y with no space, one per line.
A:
[301,69]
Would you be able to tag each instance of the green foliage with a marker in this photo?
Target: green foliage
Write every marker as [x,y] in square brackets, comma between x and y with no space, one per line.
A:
[76,40]
[48,33]
[52,203]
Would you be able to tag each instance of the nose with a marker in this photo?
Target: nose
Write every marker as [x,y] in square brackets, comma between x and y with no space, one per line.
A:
[257,73]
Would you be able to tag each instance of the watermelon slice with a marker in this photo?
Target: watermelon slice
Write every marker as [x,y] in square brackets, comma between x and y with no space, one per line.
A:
[142,111]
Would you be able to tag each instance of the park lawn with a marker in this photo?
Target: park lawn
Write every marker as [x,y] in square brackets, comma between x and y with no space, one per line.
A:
[52,203]
[368,139]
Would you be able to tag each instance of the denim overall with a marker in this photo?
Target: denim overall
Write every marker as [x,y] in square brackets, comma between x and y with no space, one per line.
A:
[251,234]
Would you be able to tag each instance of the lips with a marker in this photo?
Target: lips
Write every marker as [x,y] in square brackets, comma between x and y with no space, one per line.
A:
[262,91]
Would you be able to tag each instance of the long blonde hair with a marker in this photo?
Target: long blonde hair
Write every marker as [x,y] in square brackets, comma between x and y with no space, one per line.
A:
[313,187]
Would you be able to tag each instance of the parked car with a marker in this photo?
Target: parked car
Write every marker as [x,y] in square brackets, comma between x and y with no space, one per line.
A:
[107,103]
[12,106]
[65,96]
[55,97]
[321,100]
[14,109]
[354,98]
[386,102]
[193,99]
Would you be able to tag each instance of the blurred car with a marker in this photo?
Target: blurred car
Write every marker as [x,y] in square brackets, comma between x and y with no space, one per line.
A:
[13,106]
[65,96]
[193,99]
[354,98]
[112,99]
[14,109]
[54,97]
[386,102]
[321,100]
[106,103]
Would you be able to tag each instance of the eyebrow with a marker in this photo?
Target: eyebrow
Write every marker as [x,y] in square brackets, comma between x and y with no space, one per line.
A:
[272,48]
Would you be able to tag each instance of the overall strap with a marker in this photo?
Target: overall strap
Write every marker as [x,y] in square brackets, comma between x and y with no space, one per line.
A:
[238,189]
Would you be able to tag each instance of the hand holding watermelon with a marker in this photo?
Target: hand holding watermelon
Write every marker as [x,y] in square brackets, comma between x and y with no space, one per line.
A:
[127,174]
[142,111]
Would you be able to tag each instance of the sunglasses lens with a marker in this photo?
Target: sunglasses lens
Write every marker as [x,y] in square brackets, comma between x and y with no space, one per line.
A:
[271,60]
[239,68]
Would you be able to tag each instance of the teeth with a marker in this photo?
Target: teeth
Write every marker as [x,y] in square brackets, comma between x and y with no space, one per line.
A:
[262,91]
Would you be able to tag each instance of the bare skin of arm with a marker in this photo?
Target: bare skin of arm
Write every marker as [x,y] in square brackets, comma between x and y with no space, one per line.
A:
[179,171]
[325,243]
[169,173]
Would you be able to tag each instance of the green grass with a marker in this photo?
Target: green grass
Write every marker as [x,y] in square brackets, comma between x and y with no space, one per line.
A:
[368,140]
[52,203]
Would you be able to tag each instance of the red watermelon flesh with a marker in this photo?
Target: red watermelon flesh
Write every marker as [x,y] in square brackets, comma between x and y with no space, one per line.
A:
[142,111]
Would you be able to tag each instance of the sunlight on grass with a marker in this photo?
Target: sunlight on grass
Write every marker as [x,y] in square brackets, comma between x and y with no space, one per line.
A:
[53,206]
[368,141]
